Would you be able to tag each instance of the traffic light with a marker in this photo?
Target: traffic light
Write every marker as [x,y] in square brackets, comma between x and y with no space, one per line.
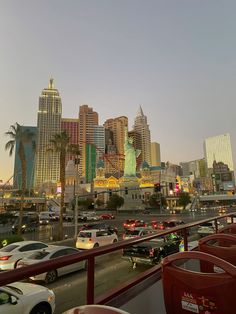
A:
[95,194]
[157,187]
[110,192]
[126,190]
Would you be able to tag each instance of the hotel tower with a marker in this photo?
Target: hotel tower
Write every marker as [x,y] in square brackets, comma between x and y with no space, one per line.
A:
[47,167]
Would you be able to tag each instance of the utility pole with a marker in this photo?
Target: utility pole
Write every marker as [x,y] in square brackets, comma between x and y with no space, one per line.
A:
[77,161]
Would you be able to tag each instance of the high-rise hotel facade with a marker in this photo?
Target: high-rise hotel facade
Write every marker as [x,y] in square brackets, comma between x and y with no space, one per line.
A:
[141,126]
[218,148]
[47,167]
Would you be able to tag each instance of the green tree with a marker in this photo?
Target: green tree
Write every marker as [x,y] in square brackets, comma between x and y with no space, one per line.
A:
[60,142]
[184,199]
[115,201]
[154,200]
[20,136]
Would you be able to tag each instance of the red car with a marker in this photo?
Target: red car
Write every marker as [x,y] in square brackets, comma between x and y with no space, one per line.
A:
[133,223]
[107,216]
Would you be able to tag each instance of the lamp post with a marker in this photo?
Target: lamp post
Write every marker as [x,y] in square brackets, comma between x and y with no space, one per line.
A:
[77,161]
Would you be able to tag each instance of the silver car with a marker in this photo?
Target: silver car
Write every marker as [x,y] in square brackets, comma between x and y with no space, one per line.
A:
[50,253]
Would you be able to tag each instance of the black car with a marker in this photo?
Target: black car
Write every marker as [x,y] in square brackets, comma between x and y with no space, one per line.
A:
[99,226]
[29,223]
[153,251]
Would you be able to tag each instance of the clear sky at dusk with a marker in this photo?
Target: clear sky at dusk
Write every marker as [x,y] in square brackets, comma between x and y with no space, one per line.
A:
[176,58]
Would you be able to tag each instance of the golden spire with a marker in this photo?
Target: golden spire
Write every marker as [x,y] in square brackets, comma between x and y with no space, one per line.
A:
[51,84]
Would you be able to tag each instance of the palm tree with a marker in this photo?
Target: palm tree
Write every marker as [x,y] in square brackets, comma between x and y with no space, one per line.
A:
[61,145]
[19,137]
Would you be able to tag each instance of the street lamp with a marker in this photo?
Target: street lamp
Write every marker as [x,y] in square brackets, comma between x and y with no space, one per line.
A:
[77,161]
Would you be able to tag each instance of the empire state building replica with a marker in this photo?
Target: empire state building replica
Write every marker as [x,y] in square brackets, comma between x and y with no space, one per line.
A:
[47,166]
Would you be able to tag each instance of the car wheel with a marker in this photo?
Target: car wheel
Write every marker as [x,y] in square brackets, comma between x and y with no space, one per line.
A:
[96,245]
[41,309]
[51,276]
[114,241]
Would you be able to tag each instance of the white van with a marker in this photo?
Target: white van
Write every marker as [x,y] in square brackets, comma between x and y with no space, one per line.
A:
[46,217]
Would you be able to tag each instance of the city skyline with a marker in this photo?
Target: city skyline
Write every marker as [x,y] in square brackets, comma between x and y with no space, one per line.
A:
[175,59]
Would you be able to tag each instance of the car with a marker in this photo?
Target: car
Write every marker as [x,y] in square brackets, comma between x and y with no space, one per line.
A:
[30,222]
[207,228]
[133,223]
[153,251]
[222,210]
[137,232]
[99,225]
[26,298]
[229,219]
[172,223]
[50,253]
[154,224]
[107,216]
[46,217]
[11,254]
[88,239]
[91,216]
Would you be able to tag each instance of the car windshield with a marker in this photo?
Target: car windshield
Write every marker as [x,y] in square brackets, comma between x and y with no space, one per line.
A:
[85,234]
[129,221]
[38,255]
[9,248]
[206,224]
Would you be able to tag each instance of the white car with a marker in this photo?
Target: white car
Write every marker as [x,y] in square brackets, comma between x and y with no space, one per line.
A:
[91,216]
[26,298]
[88,239]
[208,228]
[11,254]
[50,253]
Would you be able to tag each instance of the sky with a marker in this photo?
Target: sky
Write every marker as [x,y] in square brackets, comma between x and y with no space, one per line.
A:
[175,58]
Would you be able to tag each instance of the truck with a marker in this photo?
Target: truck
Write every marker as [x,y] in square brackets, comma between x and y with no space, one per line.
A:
[153,251]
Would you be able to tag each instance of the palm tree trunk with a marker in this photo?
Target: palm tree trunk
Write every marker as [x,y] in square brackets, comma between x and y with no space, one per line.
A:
[62,179]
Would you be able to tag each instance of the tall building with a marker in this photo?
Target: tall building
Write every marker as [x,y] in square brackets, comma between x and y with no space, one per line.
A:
[155,154]
[197,168]
[141,127]
[71,127]
[218,148]
[117,126]
[47,167]
[30,161]
[88,119]
[99,141]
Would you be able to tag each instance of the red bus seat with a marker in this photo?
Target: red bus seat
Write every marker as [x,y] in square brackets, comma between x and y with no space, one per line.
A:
[187,290]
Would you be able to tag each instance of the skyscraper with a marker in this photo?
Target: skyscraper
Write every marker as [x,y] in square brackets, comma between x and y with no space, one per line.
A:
[87,120]
[141,127]
[117,126]
[218,148]
[155,154]
[30,161]
[47,168]
[71,127]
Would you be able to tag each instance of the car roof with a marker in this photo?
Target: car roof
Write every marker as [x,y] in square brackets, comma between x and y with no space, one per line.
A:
[54,248]
[93,230]
[26,242]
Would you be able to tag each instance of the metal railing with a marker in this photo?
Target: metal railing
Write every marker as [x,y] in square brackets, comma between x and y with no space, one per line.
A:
[90,255]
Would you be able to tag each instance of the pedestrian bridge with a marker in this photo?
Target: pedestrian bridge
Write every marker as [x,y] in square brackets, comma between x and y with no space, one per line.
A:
[217,197]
